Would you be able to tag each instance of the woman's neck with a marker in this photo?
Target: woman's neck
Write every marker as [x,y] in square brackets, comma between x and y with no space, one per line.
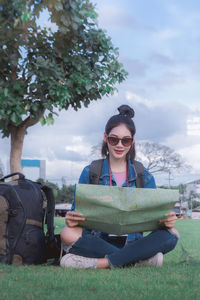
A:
[117,165]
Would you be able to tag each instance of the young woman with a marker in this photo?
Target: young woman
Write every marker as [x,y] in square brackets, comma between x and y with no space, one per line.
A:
[92,249]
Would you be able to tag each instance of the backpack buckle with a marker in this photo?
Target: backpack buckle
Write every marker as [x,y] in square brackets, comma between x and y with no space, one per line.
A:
[12,212]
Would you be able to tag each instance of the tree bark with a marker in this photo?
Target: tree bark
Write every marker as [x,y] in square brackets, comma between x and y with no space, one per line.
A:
[17,140]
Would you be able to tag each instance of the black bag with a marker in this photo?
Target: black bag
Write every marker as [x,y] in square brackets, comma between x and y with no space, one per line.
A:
[22,215]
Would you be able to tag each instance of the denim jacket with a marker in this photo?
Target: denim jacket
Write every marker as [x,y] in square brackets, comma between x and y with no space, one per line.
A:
[104,179]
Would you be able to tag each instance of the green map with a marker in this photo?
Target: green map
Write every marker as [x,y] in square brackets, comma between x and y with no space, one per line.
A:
[121,210]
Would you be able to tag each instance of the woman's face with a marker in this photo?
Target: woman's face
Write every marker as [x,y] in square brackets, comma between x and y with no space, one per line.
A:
[119,150]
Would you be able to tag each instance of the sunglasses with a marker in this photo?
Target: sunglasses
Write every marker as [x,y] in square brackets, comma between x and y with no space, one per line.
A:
[113,141]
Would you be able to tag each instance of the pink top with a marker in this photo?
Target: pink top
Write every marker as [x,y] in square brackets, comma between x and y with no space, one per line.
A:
[120,178]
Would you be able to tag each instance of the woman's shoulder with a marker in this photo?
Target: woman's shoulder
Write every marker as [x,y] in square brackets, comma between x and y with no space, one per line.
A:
[85,175]
[94,169]
[149,180]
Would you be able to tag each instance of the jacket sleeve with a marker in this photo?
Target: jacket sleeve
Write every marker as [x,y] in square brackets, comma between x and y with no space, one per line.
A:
[84,179]
[149,181]
[85,176]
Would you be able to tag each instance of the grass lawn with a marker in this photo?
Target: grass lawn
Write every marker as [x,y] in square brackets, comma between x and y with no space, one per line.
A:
[175,280]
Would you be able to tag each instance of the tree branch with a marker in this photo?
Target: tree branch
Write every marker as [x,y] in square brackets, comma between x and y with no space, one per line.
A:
[28,122]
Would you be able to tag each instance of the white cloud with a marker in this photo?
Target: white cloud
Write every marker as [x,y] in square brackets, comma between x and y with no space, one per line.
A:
[80,148]
[162,59]
[110,15]
[185,16]
[116,16]
[166,34]
[77,139]
[136,99]
[134,67]
[192,152]
[193,126]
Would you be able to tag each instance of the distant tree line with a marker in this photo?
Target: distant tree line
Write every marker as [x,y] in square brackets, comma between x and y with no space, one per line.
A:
[64,194]
[175,187]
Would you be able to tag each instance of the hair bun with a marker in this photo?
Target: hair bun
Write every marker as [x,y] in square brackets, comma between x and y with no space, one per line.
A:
[126,110]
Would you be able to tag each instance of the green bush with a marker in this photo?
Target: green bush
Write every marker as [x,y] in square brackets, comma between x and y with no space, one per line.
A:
[65,194]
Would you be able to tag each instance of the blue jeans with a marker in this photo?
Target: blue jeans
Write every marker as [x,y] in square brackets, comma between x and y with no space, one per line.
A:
[91,244]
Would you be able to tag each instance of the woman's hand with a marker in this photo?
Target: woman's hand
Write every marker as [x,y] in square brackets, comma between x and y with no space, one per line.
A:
[170,221]
[73,218]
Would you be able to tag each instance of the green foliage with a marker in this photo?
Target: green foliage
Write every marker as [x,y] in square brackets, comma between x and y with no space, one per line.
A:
[195,204]
[182,188]
[44,70]
[65,194]
[168,187]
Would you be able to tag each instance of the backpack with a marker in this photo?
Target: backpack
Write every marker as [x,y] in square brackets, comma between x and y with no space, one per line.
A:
[96,169]
[22,216]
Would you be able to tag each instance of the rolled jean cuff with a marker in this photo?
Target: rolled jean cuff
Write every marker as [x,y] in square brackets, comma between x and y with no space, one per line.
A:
[66,247]
[110,264]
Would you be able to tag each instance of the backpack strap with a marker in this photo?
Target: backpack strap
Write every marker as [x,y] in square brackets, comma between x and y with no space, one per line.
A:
[139,169]
[50,211]
[96,169]
[52,241]
[20,175]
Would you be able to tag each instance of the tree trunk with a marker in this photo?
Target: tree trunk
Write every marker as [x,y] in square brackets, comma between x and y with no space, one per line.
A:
[17,139]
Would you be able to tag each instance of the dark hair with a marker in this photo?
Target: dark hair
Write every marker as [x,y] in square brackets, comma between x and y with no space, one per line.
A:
[126,113]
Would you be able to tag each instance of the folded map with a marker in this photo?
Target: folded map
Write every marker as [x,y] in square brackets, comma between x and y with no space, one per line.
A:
[121,210]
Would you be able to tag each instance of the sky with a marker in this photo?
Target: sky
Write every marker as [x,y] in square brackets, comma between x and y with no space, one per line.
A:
[158,45]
